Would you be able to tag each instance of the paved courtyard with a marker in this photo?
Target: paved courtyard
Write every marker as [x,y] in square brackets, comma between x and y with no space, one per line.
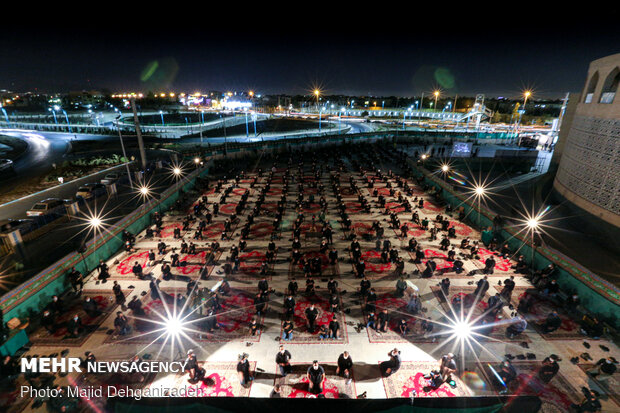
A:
[325,188]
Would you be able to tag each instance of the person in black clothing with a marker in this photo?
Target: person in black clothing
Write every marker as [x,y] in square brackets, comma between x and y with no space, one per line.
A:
[590,403]
[392,365]
[482,287]
[118,294]
[75,326]
[76,279]
[196,373]
[293,287]
[283,360]
[334,329]
[48,321]
[552,323]
[345,366]
[102,268]
[507,373]
[90,307]
[137,270]
[289,307]
[316,378]
[332,286]
[121,324]
[603,369]
[384,319]
[311,315]
[549,368]
[243,370]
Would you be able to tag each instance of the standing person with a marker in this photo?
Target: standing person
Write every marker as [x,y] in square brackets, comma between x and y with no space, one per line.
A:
[287,330]
[384,319]
[345,366]
[392,365]
[549,368]
[283,360]
[316,378]
[76,279]
[311,315]
[446,368]
[243,370]
[118,294]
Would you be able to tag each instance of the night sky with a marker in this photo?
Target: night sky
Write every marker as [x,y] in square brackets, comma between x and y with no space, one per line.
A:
[399,56]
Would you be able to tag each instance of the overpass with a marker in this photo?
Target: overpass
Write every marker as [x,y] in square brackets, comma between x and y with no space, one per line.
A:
[476,114]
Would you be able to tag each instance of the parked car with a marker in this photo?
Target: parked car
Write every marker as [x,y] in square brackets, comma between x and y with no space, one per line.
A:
[45,207]
[9,225]
[92,190]
[110,178]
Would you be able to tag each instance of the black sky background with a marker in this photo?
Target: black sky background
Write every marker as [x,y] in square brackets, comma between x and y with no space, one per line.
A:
[369,52]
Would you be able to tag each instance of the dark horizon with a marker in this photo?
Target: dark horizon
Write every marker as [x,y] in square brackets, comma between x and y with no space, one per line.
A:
[503,61]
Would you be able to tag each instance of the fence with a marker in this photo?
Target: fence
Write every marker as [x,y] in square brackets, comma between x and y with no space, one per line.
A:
[32,295]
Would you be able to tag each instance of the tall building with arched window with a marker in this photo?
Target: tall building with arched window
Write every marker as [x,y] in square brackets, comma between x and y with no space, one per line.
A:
[588,175]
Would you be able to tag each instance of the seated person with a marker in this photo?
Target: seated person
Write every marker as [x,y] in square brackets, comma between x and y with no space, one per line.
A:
[552,323]
[591,327]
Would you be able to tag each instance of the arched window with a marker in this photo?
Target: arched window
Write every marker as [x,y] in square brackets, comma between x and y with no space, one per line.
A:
[591,87]
[610,87]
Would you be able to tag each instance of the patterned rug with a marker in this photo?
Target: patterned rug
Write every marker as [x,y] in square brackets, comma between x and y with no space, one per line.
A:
[610,386]
[465,293]
[105,302]
[250,263]
[502,265]
[222,381]
[410,377]
[195,263]
[295,384]
[234,320]
[375,269]
[327,270]
[541,307]
[556,396]
[397,309]
[261,230]
[301,335]
[123,270]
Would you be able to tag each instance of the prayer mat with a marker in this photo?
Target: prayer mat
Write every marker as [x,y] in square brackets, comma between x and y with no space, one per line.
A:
[221,380]
[397,310]
[327,270]
[410,378]
[540,309]
[610,385]
[301,335]
[296,384]
[106,303]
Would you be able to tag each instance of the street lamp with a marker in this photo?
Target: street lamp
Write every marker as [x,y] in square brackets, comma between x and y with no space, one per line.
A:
[54,113]
[436,93]
[161,113]
[317,93]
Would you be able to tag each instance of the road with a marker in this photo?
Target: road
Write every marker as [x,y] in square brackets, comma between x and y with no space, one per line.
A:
[44,150]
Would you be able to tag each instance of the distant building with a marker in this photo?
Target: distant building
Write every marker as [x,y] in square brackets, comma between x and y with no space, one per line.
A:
[588,175]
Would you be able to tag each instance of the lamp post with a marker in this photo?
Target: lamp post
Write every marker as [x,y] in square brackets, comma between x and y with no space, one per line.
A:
[436,93]
[161,113]
[54,113]
[317,93]
[120,136]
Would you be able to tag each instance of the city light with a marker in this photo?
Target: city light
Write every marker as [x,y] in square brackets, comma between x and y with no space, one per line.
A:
[480,190]
[445,168]
[144,190]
